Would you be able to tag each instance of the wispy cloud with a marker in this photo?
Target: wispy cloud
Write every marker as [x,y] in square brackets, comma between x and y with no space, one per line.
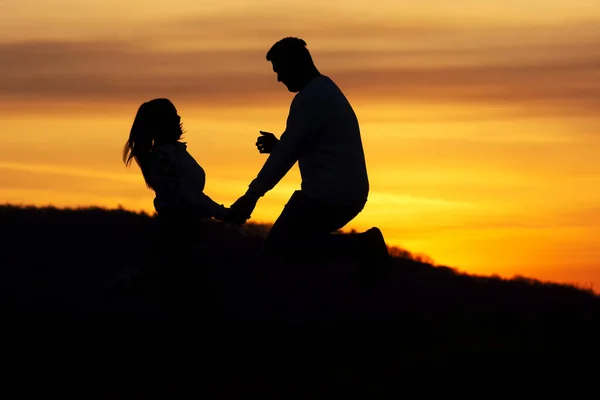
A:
[214,60]
[67,171]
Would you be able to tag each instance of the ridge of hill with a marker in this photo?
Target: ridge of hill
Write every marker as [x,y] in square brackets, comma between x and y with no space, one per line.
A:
[61,267]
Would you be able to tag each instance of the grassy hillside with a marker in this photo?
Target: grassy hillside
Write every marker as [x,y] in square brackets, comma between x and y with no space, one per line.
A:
[62,267]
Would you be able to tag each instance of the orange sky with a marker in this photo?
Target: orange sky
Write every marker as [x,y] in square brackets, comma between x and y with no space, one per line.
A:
[479,119]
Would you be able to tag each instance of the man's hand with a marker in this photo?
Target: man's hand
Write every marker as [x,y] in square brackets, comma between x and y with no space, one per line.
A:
[241,210]
[233,218]
[266,142]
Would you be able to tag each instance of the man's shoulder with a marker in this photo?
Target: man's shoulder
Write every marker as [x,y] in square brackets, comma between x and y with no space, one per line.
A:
[316,91]
[320,84]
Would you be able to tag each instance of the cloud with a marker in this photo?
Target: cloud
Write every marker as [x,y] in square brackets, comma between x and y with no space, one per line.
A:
[584,216]
[417,63]
[67,171]
[117,71]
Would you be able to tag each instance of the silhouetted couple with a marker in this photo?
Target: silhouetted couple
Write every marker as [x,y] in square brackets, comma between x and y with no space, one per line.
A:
[322,134]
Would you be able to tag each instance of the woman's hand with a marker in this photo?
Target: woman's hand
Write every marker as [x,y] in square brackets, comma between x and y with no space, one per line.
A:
[242,209]
[222,214]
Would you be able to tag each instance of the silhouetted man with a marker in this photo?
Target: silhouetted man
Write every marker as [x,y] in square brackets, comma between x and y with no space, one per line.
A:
[322,134]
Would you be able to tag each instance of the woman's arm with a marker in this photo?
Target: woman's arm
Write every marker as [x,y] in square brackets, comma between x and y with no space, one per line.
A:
[169,185]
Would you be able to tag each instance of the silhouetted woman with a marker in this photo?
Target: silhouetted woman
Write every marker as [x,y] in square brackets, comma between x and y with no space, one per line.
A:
[175,177]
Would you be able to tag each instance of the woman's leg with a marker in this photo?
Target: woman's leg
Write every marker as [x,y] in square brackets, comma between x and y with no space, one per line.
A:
[181,272]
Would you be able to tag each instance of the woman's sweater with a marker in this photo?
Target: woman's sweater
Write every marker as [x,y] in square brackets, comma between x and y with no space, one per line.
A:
[178,182]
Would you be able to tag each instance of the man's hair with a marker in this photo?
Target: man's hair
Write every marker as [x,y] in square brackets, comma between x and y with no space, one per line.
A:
[289,48]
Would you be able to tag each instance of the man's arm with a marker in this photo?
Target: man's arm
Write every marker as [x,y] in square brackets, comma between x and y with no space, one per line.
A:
[304,122]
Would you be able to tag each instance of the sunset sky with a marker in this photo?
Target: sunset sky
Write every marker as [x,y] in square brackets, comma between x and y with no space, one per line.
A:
[480,119]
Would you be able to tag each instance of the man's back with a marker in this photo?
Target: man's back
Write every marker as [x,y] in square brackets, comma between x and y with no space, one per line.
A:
[323,135]
[332,165]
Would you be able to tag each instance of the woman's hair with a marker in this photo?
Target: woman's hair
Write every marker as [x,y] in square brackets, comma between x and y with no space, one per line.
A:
[156,122]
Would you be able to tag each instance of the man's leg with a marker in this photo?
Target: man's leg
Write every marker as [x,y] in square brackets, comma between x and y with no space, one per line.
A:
[303,230]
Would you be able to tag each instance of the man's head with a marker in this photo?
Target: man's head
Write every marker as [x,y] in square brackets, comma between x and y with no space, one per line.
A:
[292,63]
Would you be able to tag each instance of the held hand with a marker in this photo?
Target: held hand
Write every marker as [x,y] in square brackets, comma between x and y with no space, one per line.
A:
[232,218]
[223,214]
[227,215]
[241,210]
[266,142]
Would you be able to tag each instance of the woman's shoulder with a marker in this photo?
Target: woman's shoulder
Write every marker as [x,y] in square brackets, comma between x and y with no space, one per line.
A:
[171,147]
[169,150]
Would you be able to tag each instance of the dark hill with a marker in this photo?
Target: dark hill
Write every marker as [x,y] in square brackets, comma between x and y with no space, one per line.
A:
[81,267]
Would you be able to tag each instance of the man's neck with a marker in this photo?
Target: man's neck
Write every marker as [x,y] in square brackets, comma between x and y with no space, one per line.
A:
[310,75]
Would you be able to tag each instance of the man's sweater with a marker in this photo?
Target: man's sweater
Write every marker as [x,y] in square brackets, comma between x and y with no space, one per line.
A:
[323,135]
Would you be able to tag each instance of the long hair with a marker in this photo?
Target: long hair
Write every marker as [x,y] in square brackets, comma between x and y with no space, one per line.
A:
[156,122]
